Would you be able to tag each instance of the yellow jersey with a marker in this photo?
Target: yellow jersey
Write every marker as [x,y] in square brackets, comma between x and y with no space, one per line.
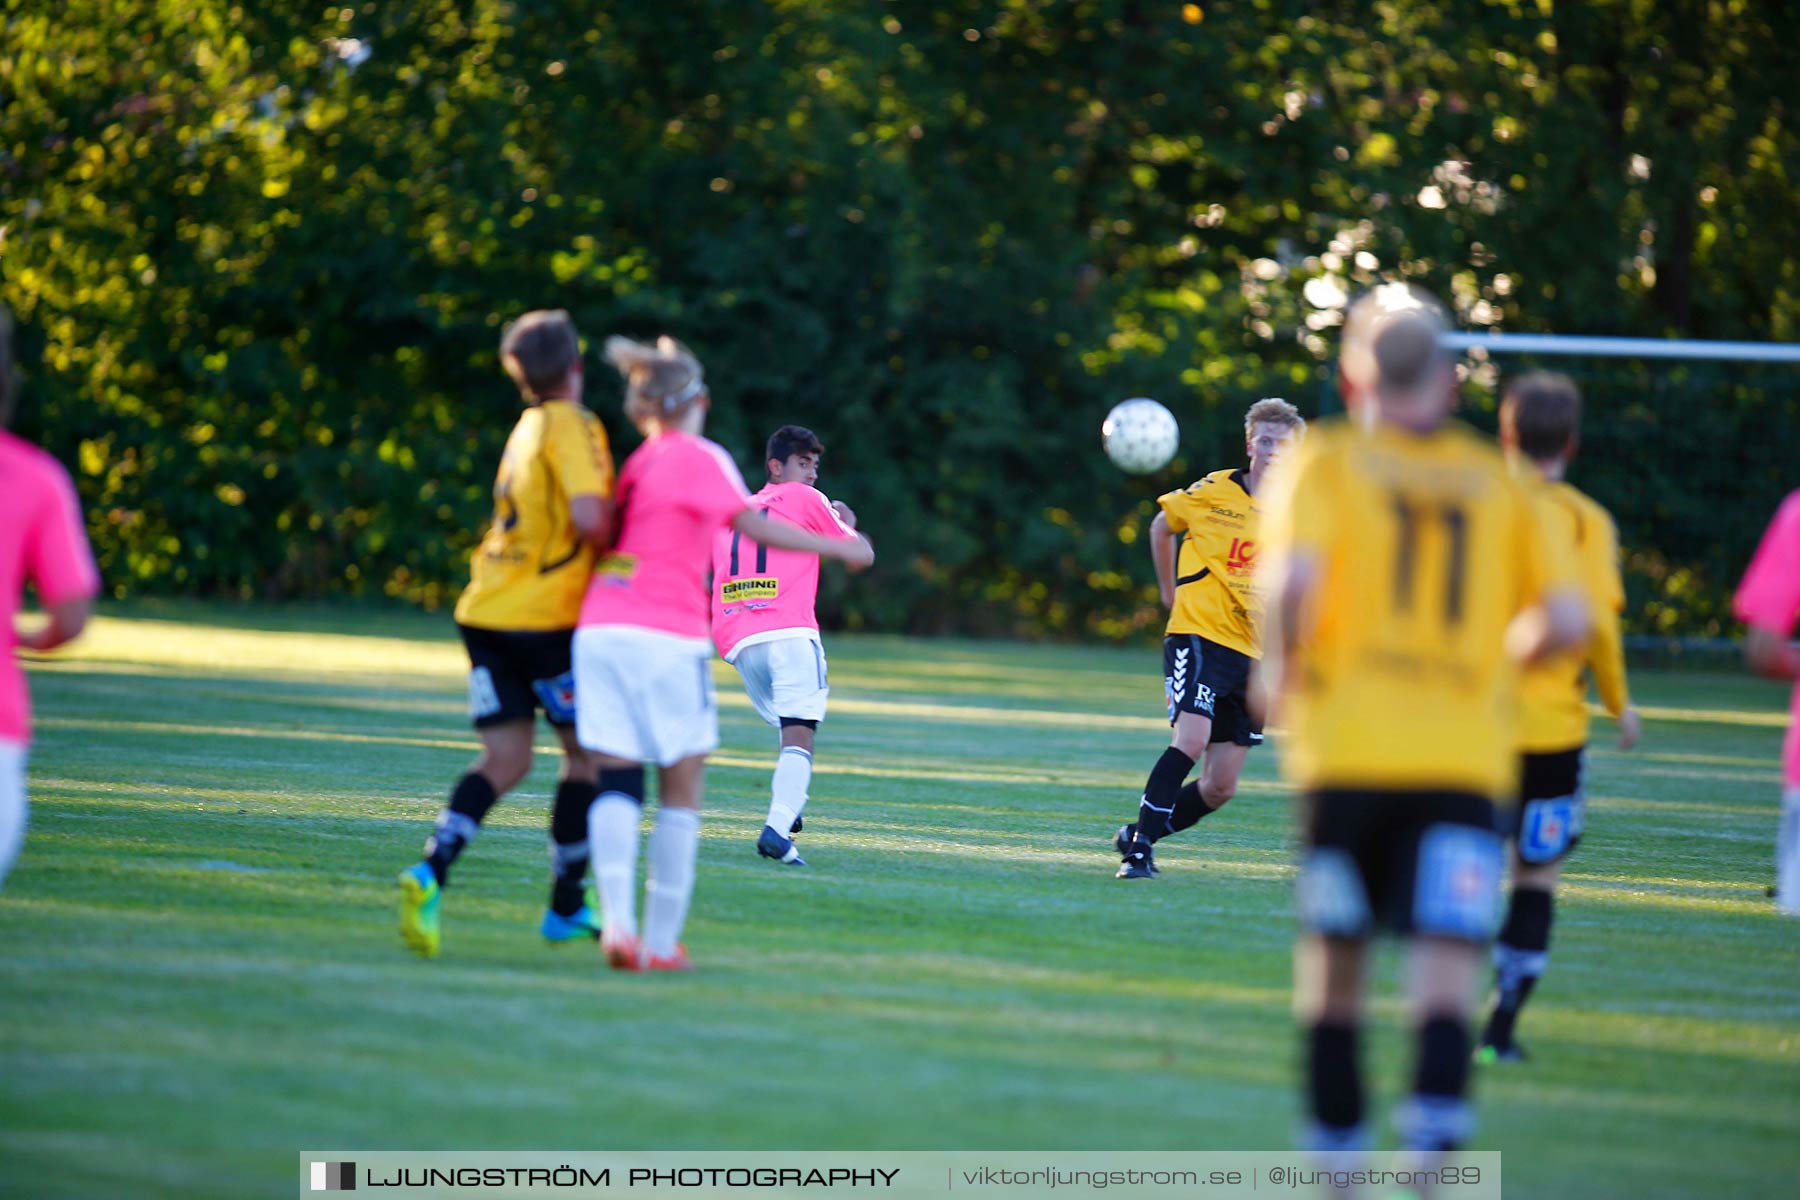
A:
[1555,712]
[1215,594]
[1425,548]
[531,570]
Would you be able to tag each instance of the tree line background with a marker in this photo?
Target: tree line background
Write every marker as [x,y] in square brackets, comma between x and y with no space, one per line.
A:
[260,255]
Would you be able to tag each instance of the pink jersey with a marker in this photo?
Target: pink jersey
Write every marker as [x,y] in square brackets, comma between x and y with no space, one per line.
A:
[761,593]
[674,494]
[1769,599]
[42,542]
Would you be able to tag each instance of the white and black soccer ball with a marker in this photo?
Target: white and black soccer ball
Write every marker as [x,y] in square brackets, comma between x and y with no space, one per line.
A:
[1140,435]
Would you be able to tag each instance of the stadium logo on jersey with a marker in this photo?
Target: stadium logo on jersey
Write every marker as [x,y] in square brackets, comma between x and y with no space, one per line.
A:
[334,1177]
[756,587]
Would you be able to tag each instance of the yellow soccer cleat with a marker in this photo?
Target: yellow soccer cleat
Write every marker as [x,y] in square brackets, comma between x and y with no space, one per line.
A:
[419,909]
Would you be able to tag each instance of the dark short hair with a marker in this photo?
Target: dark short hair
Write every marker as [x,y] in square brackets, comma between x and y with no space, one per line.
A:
[790,440]
[545,345]
[1545,410]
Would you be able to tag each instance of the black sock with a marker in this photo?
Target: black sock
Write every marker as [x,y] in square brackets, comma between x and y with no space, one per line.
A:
[1520,955]
[456,824]
[1160,791]
[1190,806]
[1334,1077]
[569,845]
[1438,1116]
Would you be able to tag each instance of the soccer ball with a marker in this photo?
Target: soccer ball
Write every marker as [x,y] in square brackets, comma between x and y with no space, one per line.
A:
[1140,435]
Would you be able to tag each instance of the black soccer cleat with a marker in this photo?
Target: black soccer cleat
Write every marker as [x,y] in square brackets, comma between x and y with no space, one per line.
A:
[1123,842]
[1138,861]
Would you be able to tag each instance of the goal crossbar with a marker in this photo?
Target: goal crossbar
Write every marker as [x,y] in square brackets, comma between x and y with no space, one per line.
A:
[1624,347]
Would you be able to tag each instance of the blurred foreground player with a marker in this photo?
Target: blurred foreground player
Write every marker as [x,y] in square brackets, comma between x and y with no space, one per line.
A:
[643,654]
[42,543]
[1540,424]
[552,512]
[1406,575]
[1768,601]
[1211,644]
[764,624]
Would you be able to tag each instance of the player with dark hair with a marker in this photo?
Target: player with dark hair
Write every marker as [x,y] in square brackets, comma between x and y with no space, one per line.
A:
[1768,602]
[1211,643]
[552,514]
[764,625]
[643,652]
[1540,424]
[1404,567]
[44,544]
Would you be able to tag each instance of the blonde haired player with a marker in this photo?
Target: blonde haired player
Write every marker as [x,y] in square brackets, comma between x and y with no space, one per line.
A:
[1540,423]
[643,655]
[1211,643]
[764,624]
[552,513]
[1407,575]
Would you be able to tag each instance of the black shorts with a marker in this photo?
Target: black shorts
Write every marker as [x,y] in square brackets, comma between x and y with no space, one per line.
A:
[1552,805]
[1213,680]
[513,674]
[1414,862]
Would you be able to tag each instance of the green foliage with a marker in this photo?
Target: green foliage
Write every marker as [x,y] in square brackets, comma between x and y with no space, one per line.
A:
[261,254]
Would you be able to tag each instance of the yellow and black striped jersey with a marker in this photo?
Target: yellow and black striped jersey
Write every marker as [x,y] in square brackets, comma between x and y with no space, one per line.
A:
[531,570]
[1215,595]
[1425,547]
[1555,713]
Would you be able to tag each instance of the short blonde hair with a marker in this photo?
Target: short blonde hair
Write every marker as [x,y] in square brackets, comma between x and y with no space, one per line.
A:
[1273,410]
[661,381]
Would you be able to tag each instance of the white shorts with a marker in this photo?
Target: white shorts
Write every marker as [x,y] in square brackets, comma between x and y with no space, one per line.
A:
[785,677]
[644,695]
[12,803]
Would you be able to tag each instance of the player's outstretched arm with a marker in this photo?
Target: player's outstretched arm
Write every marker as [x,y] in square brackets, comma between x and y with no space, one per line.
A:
[1769,653]
[1162,553]
[856,553]
[1557,623]
[67,619]
[593,519]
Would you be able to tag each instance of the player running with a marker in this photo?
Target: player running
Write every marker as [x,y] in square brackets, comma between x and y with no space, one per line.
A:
[43,543]
[552,514]
[1405,568]
[1540,423]
[643,654]
[764,624]
[1211,644]
[1768,601]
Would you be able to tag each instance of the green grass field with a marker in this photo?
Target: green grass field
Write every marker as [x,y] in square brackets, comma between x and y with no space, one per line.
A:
[200,977]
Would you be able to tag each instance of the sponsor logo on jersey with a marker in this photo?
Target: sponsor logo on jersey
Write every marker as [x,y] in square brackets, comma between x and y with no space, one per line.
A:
[617,568]
[1242,558]
[754,587]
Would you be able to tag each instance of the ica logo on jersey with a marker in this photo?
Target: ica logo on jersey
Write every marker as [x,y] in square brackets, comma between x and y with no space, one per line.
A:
[1242,558]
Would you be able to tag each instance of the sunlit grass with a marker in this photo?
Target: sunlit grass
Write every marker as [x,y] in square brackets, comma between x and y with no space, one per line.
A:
[198,974]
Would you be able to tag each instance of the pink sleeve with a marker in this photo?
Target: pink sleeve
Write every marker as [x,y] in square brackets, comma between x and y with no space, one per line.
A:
[57,558]
[823,519]
[1769,596]
[716,489]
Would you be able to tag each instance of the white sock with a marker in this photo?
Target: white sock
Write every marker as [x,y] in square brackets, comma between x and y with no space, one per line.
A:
[1787,855]
[674,844]
[613,848]
[787,790]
